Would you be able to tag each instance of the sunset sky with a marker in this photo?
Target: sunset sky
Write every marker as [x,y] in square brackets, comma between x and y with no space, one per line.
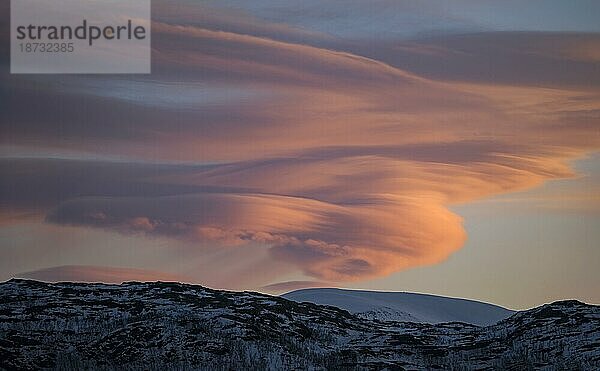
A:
[440,147]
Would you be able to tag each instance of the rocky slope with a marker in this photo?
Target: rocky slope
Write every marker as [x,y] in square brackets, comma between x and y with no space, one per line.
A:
[175,326]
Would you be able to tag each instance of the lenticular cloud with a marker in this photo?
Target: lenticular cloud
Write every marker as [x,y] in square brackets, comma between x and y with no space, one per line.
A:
[333,155]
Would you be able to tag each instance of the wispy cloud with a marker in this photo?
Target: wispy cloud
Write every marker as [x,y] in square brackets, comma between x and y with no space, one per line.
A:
[281,287]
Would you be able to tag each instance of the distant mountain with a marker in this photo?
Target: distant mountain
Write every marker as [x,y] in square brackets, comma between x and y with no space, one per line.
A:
[171,326]
[404,306]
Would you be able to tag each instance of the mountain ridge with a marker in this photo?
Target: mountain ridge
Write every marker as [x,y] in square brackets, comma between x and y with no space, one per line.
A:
[168,326]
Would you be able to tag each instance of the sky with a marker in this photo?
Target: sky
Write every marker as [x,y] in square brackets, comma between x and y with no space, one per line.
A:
[439,147]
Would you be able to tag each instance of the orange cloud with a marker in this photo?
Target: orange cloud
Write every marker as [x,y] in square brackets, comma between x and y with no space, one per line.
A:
[336,157]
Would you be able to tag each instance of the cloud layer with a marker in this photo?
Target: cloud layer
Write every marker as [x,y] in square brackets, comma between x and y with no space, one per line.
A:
[89,273]
[342,157]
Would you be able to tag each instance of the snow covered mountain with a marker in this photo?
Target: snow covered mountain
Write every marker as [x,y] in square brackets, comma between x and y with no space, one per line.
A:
[172,326]
[404,306]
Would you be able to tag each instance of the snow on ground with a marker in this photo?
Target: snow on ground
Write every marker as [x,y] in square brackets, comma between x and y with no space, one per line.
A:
[404,306]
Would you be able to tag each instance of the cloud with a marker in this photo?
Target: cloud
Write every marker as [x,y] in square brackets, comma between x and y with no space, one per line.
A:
[327,241]
[90,273]
[355,217]
[282,287]
[341,157]
[550,59]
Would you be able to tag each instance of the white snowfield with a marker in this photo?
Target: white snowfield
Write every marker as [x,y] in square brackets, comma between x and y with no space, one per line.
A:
[404,306]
